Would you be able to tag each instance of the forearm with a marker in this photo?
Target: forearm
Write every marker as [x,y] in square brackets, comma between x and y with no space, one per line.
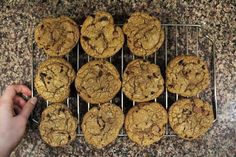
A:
[4,152]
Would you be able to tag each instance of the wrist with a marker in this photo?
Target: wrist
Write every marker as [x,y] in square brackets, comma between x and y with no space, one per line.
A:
[5,153]
[5,150]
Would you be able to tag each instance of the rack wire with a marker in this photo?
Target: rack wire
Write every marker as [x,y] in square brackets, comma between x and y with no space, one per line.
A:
[179,39]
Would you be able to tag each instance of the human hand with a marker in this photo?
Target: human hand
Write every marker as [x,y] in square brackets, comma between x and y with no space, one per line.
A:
[13,123]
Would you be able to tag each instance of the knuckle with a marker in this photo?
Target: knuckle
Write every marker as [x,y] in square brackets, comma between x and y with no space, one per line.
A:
[9,87]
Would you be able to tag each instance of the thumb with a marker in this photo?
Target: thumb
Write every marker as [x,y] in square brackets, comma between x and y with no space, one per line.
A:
[28,108]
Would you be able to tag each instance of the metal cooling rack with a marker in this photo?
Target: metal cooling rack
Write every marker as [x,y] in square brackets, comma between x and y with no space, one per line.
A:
[179,39]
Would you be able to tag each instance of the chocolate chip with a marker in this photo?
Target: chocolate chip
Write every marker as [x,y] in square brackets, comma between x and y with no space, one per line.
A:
[155,75]
[187,112]
[43,74]
[48,116]
[104,18]
[100,122]
[149,77]
[152,92]
[61,69]
[100,66]
[42,26]
[100,73]
[62,109]
[93,16]
[203,67]
[93,47]
[86,38]
[185,73]
[181,62]
[49,78]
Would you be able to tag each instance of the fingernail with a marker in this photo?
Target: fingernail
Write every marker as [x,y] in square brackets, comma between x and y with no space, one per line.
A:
[34,100]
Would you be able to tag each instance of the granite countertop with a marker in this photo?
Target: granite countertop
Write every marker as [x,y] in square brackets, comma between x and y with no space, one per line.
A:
[18,19]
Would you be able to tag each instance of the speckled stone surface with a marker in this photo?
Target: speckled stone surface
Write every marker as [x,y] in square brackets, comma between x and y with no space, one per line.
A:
[19,17]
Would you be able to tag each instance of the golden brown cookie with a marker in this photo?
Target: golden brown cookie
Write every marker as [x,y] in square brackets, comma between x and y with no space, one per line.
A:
[190,118]
[57,126]
[101,125]
[145,123]
[57,36]
[187,75]
[144,34]
[142,81]
[53,79]
[100,38]
[97,82]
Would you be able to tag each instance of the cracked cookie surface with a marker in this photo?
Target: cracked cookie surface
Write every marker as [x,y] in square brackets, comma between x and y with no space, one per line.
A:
[142,81]
[53,79]
[187,75]
[101,125]
[57,126]
[144,34]
[100,38]
[190,118]
[57,36]
[145,123]
[97,82]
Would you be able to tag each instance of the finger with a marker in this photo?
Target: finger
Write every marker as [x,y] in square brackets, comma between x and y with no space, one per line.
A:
[12,90]
[17,110]
[28,108]
[19,101]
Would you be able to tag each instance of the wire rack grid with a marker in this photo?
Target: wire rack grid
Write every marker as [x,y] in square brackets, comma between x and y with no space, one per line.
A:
[179,39]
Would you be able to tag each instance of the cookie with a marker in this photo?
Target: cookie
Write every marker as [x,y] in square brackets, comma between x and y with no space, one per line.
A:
[144,34]
[97,82]
[57,36]
[145,123]
[187,75]
[57,126]
[190,118]
[100,38]
[53,79]
[142,81]
[101,125]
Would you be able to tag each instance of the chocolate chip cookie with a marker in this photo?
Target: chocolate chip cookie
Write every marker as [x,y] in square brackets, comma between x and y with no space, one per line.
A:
[53,79]
[142,81]
[144,34]
[57,126]
[187,75]
[101,125]
[97,82]
[190,118]
[57,36]
[145,123]
[100,38]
